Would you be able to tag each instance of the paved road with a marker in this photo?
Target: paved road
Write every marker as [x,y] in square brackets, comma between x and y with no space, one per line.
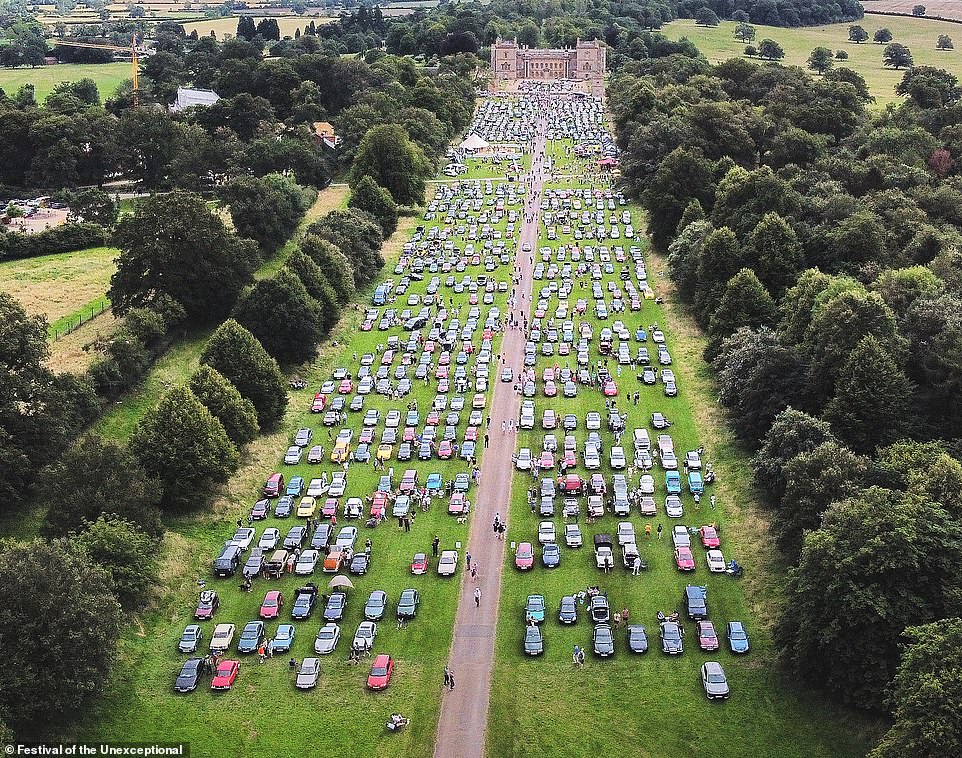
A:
[464,710]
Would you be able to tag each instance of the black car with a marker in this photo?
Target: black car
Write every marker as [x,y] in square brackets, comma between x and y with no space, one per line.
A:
[251,637]
[322,536]
[696,602]
[360,563]
[671,638]
[603,640]
[284,507]
[190,674]
[407,604]
[569,610]
[336,604]
[570,422]
[533,640]
[304,600]
[404,452]
[637,639]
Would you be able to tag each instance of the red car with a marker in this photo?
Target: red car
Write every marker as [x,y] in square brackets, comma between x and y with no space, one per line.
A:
[709,537]
[684,560]
[473,297]
[319,403]
[524,557]
[445,450]
[206,605]
[379,505]
[445,358]
[420,564]
[388,358]
[443,385]
[225,675]
[572,484]
[271,607]
[367,326]
[546,460]
[346,387]
[550,389]
[381,670]
[707,639]
[471,434]
[434,418]
[457,503]
[429,346]
[598,484]
[441,372]
[611,389]
[569,461]
[329,508]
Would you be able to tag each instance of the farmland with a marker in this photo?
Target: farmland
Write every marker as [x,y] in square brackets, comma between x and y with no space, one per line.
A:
[107,76]
[919,34]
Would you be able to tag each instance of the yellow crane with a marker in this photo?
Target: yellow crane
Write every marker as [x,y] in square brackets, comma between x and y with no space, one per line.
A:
[114,48]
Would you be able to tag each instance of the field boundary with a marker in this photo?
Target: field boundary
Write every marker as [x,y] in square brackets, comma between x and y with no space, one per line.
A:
[73,321]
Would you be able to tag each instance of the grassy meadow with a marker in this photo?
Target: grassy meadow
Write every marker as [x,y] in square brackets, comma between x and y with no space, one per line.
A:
[918,34]
[108,77]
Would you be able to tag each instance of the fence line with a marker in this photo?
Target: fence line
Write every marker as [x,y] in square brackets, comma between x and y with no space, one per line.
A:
[88,313]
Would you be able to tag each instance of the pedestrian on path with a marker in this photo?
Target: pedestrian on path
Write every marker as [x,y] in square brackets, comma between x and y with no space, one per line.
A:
[467,557]
[477,597]
[447,677]
[659,531]
[474,572]
[486,442]
[504,425]
[450,681]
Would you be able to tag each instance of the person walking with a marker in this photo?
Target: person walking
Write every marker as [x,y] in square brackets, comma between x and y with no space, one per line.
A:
[636,566]
[450,681]
[467,558]
[660,530]
[648,531]
[474,573]
[485,440]
[447,677]
[261,653]
[712,501]
[477,597]
[504,425]
[435,543]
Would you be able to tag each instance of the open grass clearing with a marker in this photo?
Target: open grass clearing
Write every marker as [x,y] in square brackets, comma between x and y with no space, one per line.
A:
[345,713]
[933,8]
[57,286]
[107,76]
[919,34]
[227,27]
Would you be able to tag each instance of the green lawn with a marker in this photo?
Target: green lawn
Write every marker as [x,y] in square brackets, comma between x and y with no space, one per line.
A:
[919,34]
[264,703]
[108,76]
[652,705]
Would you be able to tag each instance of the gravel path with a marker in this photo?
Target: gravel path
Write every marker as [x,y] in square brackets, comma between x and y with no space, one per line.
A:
[464,711]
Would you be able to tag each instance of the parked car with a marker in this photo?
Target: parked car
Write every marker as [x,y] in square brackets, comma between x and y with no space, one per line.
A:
[714,681]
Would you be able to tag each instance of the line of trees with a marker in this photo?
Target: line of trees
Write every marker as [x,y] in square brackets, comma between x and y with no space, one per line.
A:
[817,243]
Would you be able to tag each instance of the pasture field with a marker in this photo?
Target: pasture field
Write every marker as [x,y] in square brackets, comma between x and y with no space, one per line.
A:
[933,8]
[107,76]
[918,34]
[228,25]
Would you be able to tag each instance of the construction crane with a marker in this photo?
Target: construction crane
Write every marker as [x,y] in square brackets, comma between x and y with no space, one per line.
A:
[132,50]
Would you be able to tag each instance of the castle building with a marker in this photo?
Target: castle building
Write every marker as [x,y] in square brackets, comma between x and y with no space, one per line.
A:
[584,62]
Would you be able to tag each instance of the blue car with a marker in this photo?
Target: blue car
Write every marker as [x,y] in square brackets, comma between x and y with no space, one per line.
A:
[534,609]
[737,637]
[435,483]
[673,482]
[551,555]
[461,482]
[251,637]
[695,483]
[295,486]
[283,639]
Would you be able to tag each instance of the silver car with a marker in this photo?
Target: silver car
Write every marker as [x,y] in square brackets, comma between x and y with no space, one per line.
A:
[326,639]
[714,681]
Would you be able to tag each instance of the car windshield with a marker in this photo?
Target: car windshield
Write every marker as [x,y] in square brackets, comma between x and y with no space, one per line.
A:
[379,671]
[716,678]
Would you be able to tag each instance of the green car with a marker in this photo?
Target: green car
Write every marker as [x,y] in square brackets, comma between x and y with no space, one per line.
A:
[534,609]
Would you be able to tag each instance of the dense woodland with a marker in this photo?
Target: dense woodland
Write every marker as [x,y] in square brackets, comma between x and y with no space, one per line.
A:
[817,243]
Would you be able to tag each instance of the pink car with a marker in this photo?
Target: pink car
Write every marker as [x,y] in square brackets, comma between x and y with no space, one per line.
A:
[684,560]
[524,557]
[709,537]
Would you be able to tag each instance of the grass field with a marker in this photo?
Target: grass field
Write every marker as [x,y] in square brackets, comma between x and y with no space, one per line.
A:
[108,77]
[652,705]
[933,8]
[59,286]
[228,25]
[919,34]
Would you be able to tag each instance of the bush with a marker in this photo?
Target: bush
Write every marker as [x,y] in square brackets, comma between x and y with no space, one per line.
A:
[60,239]
[224,401]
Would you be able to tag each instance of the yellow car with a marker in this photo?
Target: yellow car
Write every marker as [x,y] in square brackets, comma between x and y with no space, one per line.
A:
[649,293]
[478,402]
[306,508]
[342,449]
[384,452]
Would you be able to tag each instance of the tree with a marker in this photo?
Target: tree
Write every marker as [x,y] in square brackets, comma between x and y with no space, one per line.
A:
[841,55]
[918,10]
[684,175]
[745,303]
[125,553]
[775,253]
[393,161]
[269,29]
[267,209]
[744,32]
[857,34]
[897,56]
[174,245]
[705,16]
[719,261]
[820,60]
[94,206]
[369,196]
[317,286]
[245,28]
[813,481]
[770,50]
[241,359]
[684,254]
[101,477]
[792,433]
[881,561]
[925,695]
[335,266]
[283,317]
[358,236]
[944,43]
[870,406]
[182,445]
[882,36]
[751,51]
[224,401]
[60,627]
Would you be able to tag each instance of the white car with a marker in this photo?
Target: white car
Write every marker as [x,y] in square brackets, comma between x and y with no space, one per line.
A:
[694,460]
[327,638]
[293,455]
[523,460]
[673,506]
[527,419]
[626,533]
[647,506]
[549,420]
[269,538]
[716,561]
[364,637]
[680,536]
[647,485]
[346,537]
[669,461]
[221,639]
[316,488]
[448,563]
[592,459]
[306,563]
[573,535]
[617,458]
[243,538]
[546,532]
[593,420]
[338,484]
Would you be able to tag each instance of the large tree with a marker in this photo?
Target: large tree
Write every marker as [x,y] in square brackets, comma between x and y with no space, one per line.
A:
[284,318]
[174,245]
[224,401]
[745,303]
[393,161]
[125,553]
[719,260]
[368,195]
[239,357]
[358,236]
[185,448]
[793,433]
[333,264]
[267,209]
[60,627]
[897,56]
[317,286]
[774,252]
[93,477]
